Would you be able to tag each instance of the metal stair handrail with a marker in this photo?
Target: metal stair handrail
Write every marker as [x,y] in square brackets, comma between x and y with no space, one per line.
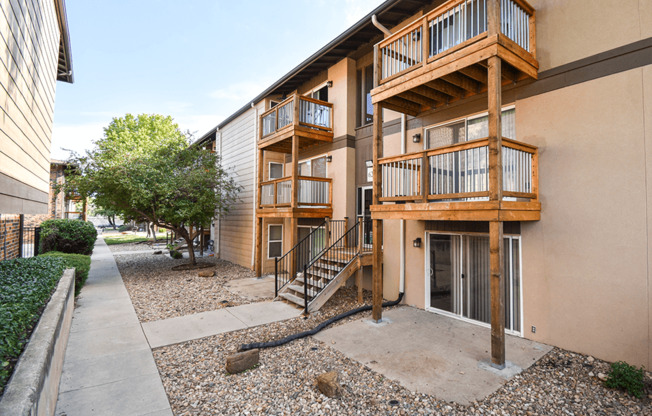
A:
[287,257]
[356,248]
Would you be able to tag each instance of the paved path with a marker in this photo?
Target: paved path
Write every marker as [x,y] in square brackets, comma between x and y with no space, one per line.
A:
[108,368]
[200,325]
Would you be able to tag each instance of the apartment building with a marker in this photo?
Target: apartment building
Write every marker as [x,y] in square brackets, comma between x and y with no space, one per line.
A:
[36,54]
[502,150]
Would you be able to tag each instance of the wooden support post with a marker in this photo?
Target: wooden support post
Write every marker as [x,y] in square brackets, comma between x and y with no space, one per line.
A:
[328,232]
[497,285]
[495,130]
[377,227]
[358,282]
[260,175]
[258,255]
[295,172]
[293,242]
[493,17]
[496,253]
[425,177]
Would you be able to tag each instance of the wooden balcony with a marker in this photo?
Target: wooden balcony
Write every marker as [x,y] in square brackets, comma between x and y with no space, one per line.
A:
[313,197]
[442,57]
[452,183]
[304,117]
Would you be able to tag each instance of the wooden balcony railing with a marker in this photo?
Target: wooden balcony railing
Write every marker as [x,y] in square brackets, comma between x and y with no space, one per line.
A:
[308,112]
[448,28]
[312,192]
[459,172]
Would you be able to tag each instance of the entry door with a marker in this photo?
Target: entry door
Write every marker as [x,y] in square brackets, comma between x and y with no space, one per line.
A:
[459,273]
[364,200]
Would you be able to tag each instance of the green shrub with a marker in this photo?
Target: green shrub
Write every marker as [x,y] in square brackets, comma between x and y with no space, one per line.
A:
[125,227]
[176,254]
[626,377]
[67,236]
[80,262]
[25,288]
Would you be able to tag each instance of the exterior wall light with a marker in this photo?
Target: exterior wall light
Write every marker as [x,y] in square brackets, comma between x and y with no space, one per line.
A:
[329,84]
[417,242]
[329,158]
[416,138]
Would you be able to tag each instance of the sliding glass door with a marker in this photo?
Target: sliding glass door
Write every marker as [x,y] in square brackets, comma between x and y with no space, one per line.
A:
[458,281]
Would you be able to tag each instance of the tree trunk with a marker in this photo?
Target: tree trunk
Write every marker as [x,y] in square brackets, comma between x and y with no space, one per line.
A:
[151,226]
[191,252]
[111,221]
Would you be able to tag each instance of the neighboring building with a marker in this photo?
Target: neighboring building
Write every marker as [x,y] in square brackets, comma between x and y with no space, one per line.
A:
[499,147]
[37,54]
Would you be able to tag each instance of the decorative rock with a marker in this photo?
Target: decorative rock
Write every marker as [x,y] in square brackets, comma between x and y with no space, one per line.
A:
[158,252]
[207,273]
[241,361]
[328,385]
[602,376]
[590,359]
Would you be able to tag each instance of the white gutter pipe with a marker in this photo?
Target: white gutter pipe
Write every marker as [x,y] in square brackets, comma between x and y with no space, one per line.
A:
[401,288]
[255,179]
[380,26]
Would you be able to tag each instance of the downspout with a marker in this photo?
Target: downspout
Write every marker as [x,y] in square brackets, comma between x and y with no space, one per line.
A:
[380,26]
[218,231]
[402,228]
[255,178]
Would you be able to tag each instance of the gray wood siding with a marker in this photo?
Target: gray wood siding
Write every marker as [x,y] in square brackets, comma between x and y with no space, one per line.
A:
[29,39]
[239,157]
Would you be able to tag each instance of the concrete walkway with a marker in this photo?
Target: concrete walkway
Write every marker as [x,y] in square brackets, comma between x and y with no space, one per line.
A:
[204,324]
[108,368]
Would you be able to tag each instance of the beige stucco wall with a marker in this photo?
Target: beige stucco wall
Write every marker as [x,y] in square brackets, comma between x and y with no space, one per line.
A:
[585,264]
[342,95]
[647,95]
[568,30]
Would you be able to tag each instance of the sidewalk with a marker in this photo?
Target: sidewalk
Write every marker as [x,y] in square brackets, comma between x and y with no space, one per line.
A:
[108,368]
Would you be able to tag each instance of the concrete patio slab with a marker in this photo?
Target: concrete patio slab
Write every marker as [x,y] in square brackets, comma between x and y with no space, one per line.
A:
[430,353]
[254,288]
[189,327]
[261,313]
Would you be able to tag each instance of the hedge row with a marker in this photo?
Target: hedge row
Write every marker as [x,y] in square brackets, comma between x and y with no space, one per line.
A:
[25,288]
[80,262]
[67,236]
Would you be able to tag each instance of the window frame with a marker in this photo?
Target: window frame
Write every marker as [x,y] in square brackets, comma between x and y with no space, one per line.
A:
[466,125]
[270,241]
[310,159]
[269,170]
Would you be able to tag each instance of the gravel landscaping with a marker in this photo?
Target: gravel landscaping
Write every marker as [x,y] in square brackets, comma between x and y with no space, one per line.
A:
[561,383]
[158,292]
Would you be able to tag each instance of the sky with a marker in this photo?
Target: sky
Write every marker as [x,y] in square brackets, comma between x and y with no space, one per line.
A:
[198,61]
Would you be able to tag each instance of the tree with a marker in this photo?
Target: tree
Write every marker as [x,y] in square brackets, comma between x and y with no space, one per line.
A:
[109,213]
[145,170]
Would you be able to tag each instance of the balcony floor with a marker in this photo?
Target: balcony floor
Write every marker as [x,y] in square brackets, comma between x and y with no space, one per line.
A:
[281,141]
[454,75]
[288,212]
[460,211]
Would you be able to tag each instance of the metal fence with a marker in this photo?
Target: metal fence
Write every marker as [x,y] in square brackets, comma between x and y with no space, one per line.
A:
[28,241]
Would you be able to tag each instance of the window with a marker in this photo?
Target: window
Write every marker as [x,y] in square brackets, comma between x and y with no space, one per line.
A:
[320,94]
[472,128]
[365,111]
[274,241]
[275,170]
[313,167]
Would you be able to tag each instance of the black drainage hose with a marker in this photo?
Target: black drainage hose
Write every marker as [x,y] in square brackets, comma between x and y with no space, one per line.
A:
[278,343]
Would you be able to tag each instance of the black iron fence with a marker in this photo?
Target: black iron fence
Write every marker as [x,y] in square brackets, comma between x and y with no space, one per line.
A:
[28,239]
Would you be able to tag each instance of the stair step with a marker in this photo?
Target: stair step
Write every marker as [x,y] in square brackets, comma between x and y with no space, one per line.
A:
[337,259]
[292,298]
[312,282]
[326,274]
[323,265]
